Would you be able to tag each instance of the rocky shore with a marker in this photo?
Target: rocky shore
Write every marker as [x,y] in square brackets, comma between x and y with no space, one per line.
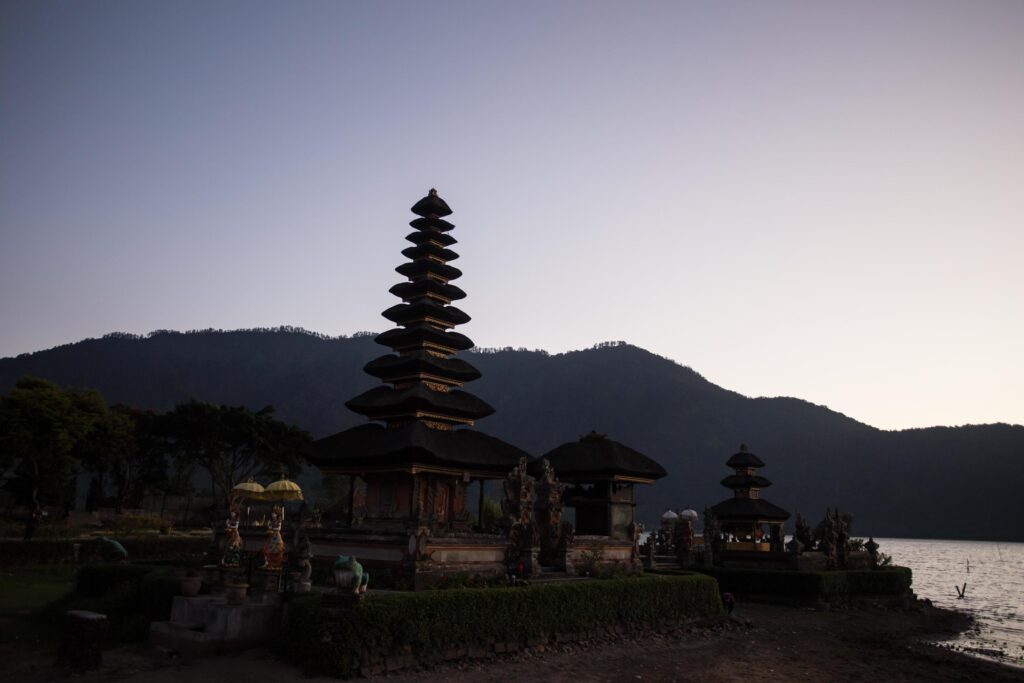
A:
[759,642]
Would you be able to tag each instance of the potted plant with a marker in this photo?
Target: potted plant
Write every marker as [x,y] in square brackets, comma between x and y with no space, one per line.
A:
[191,581]
[234,593]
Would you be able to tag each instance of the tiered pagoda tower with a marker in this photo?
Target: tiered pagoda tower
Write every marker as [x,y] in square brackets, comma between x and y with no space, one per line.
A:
[746,513]
[425,380]
[417,455]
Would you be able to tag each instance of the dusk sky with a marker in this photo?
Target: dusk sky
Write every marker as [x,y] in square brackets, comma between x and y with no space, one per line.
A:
[820,200]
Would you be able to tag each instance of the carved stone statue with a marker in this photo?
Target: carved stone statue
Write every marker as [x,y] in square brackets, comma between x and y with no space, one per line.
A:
[794,546]
[712,536]
[232,554]
[303,552]
[565,537]
[684,542]
[829,537]
[842,537]
[273,547]
[549,512]
[803,534]
[517,517]
[872,549]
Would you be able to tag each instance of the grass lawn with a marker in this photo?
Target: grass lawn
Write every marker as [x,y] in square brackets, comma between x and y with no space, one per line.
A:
[26,589]
[24,592]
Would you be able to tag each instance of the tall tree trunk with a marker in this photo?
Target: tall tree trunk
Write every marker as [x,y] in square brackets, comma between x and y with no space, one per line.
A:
[37,509]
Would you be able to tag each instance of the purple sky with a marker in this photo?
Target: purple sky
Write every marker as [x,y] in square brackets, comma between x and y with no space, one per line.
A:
[823,200]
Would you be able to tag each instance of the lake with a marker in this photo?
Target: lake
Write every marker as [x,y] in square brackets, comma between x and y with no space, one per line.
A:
[994,574]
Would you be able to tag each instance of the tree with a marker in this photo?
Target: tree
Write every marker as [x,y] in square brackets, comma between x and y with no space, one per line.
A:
[232,443]
[127,446]
[42,427]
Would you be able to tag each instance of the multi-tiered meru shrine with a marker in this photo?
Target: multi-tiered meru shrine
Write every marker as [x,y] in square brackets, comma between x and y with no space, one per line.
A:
[418,455]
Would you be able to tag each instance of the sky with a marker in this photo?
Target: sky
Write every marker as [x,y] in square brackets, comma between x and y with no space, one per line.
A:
[813,199]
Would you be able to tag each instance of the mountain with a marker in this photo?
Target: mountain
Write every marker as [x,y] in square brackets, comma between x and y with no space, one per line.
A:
[942,482]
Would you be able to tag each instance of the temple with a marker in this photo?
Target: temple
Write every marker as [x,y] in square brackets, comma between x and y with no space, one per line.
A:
[747,521]
[412,463]
[603,475]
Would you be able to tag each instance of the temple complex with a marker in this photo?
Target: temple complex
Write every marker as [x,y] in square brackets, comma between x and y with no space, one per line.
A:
[748,522]
[415,459]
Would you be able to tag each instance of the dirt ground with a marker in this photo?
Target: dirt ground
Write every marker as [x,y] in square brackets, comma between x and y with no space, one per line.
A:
[766,643]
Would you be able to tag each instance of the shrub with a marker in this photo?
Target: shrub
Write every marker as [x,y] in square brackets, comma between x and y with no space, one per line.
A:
[812,585]
[99,579]
[45,551]
[130,595]
[334,642]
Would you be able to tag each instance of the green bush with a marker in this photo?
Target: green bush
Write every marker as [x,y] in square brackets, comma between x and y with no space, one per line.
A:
[44,551]
[100,579]
[334,642]
[812,585]
[130,595]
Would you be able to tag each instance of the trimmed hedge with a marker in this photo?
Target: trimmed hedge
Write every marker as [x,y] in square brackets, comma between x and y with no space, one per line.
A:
[811,585]
[15,552]
[337,641]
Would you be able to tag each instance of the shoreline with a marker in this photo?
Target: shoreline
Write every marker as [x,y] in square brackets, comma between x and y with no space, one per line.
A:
[773,643]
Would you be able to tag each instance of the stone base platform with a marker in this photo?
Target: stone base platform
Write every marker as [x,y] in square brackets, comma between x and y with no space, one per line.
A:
[206,625]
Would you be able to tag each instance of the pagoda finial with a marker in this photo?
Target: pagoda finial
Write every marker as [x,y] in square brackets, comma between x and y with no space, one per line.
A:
[743,448]
[432,193]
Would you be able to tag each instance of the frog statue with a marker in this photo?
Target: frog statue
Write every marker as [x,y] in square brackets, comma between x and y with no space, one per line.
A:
[110,550]
[348,573]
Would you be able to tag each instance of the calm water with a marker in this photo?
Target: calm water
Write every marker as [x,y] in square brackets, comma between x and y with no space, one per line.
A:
[994,573]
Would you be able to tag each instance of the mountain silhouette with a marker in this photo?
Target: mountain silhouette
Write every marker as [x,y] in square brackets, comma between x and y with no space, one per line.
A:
[941,482]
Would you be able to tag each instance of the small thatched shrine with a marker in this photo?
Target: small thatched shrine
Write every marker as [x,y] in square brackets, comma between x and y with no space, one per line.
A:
[747,521]
[601,475]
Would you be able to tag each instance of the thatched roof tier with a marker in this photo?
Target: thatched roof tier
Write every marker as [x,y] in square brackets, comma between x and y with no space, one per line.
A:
[405,314]
[745,481]
[431,225]
[423,237]
[596,457]
[431,206]
[420,363]
[420,335]
[415,269]
[408,291]
[749,510]
[429,250]
[387,403]
[744,459]
[373,447]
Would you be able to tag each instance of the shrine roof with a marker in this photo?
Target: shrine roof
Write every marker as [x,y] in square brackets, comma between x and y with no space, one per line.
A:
[745,481]
[422,237]
[391,366]
[421,333]
[404,314]
[595,456]
[420,288]
[431,205]
[373,445]
[744,459]
[748,509]
[385,401]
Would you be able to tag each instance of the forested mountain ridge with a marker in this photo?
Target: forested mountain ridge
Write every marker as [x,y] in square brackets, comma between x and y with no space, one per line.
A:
[942,482]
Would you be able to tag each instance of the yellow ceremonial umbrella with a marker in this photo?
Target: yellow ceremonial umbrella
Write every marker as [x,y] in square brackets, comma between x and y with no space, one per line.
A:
[282,489]
[249,489]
